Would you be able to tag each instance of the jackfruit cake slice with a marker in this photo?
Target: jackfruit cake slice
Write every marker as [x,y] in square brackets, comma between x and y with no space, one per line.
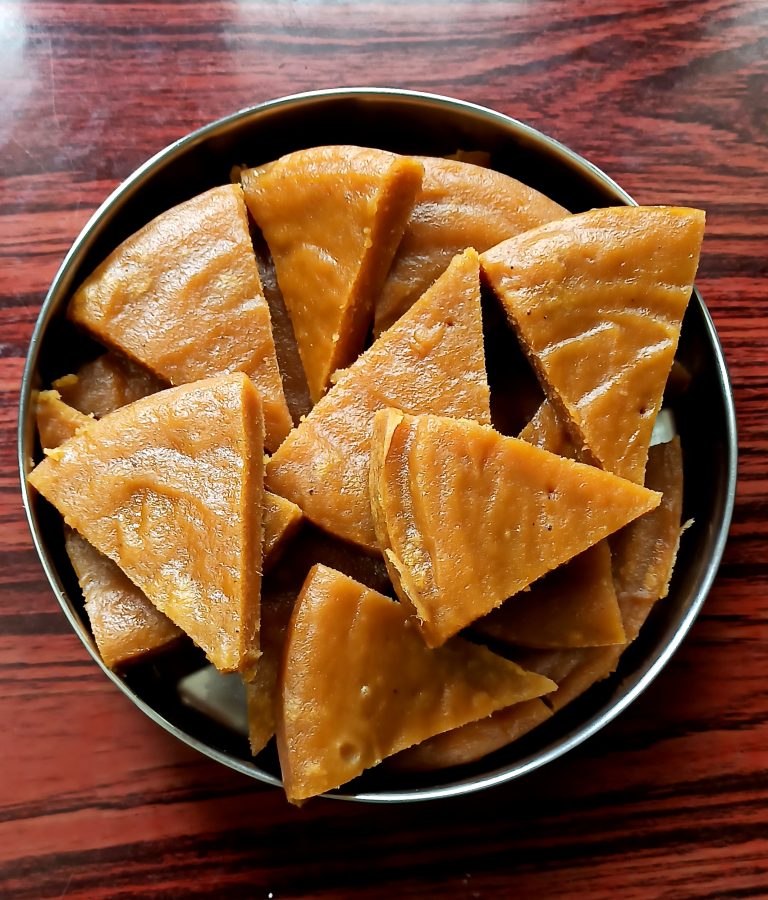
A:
[430,361]
[473,741]
[182,297]
[468,517]
[573,606]
[458,205]
[594,664]
[574,670]
[107,383]
[124,623]
[57,421]
[597,300]
[644,555]
[282,520]
[644,552]
[332,218]
[280,588]
[170,488]
[358,684]
[547,430]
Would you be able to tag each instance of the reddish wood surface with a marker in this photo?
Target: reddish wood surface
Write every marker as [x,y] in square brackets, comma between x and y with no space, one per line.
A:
[670,801]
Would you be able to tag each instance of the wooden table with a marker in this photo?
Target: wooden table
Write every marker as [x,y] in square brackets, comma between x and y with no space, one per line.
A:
[671,99]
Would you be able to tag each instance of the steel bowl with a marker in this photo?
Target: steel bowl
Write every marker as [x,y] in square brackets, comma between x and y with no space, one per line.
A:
[416,123]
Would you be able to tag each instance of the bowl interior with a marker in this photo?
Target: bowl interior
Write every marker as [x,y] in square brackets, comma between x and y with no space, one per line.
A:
[416,124]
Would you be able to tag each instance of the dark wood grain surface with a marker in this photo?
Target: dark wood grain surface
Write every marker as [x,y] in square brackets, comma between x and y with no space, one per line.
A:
[671,800]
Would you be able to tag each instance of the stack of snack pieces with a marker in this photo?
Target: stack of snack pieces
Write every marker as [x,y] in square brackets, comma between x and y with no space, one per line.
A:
[397,579]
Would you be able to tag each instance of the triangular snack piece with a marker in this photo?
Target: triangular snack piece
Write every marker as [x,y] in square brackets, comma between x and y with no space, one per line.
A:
[573,606]
[182,296]
[170,488]
[332,217]
[468,517]
[546,430]
[458,205]
[643,558]
[573,670]
[597,664]
[280,588]
[474,740]
[124,623]
[56,421]
[430,361]
[597,300]
[644,552]
[358,684]
[281,521]
[106,383]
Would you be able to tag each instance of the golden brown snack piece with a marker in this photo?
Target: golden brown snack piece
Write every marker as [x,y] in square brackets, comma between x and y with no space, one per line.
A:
[576,600]
[467,517]
[596,664]
[644,552]
[358,684]
[182,297]
[107,383]
[430,361]
[597,300]
[573,606]
[573,670]
[474,740]
[56,421]
[546,430]
[459,205]
[643,558]
[556,664]
[281,522]
[332,217]
[170,489]
[124,623]
[261,690]
[280,588]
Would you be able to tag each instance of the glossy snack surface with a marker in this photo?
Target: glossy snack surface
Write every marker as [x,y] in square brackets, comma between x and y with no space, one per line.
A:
[411,123]
[431,360]
[332,217]
[125,624]
[177,470]
[468,517]
[182,296]
[458,205]
[598,301]
[358,684]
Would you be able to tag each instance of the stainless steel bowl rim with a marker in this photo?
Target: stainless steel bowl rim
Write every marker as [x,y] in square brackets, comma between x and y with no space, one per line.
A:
[656,661]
